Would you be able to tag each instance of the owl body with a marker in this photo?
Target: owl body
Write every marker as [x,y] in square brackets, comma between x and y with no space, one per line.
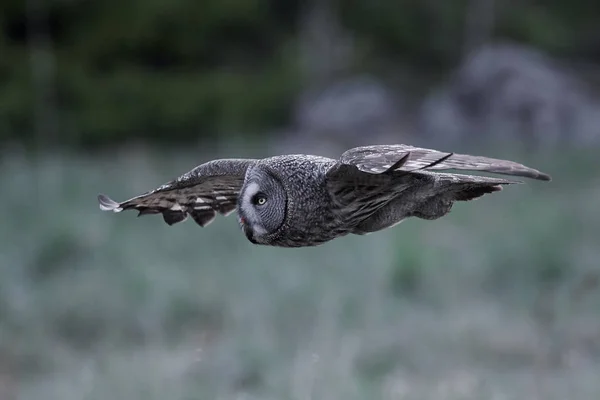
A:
[304,200]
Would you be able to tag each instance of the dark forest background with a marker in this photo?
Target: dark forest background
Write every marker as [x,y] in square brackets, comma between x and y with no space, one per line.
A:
[86,73]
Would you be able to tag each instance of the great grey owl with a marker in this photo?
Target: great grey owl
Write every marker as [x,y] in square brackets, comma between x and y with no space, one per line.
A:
[305,200]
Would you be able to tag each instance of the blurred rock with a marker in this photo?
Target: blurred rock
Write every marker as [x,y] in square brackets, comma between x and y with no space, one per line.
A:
[351,112]
[346,107]
[511,92]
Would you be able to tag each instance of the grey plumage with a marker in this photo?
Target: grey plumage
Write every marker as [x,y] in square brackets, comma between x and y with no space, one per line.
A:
[303,200]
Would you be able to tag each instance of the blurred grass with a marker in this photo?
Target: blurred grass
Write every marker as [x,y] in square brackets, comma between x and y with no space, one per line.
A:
[496,300]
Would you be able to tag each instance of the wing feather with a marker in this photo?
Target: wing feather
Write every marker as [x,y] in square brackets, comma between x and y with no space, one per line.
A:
[201,193]
[386,158]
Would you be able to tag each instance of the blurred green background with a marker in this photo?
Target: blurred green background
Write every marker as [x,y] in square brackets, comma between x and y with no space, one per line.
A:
[497,300]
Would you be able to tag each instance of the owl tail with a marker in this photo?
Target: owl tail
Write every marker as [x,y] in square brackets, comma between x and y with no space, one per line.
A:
[469,187]
[476,192]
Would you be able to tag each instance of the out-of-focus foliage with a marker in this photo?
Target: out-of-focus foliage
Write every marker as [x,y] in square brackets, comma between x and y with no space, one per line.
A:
[186,68]
[150,68]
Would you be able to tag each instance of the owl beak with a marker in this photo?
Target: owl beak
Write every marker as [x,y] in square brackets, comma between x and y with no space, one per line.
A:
[247,230]
[249,234]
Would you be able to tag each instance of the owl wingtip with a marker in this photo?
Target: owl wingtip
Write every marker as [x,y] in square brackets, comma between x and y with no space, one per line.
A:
[108,204]
[543,177]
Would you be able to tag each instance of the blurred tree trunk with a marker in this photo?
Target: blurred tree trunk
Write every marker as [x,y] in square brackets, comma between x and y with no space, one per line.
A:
[42,62]
[326,48]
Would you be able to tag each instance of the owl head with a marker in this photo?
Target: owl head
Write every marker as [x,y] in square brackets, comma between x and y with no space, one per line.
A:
[262,204]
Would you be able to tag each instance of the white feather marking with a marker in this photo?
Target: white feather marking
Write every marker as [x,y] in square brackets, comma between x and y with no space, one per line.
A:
[228,213]
[251,190]
[258,230]
[177,207]
[396,223]
[200,200]
[251,216]
[210,220]
[221,198]
[108,204]
[113,209]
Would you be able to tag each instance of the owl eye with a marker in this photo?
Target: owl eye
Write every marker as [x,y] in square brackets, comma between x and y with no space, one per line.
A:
[259,199]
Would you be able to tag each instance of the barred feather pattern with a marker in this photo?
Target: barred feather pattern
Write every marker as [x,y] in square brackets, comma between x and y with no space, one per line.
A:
[202,193]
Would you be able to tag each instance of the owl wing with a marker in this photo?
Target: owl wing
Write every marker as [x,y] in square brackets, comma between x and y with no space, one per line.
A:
[386,158]
[201,193]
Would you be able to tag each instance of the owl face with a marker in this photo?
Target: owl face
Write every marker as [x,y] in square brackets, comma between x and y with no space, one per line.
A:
[261,205]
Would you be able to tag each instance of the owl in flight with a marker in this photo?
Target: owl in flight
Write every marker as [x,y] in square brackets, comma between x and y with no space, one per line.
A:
[305,200]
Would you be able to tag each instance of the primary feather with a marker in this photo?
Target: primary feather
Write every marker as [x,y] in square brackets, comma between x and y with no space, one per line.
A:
[379,158]
[201,193]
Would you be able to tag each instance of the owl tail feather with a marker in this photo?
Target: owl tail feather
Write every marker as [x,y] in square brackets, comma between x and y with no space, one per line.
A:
[469,187]
[476,192]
